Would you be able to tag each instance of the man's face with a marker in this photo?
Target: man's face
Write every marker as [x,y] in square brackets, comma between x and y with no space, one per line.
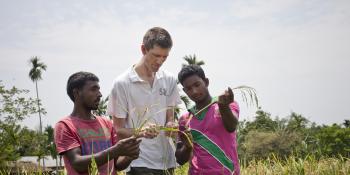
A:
[196,88]
[90,95]
[155,57]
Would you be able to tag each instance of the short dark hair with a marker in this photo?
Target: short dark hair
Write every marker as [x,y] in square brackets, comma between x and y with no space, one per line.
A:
[157,36]
[189,70]
[78,80]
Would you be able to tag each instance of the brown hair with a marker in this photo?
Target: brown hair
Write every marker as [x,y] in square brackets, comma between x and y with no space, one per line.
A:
[157,36]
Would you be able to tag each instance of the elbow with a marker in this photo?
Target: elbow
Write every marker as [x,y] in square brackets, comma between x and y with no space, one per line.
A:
[120,168]
[231,129]
[79,168]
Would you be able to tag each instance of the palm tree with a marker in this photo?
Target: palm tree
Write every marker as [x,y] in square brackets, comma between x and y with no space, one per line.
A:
[346,123]
[35,75]
[192,60]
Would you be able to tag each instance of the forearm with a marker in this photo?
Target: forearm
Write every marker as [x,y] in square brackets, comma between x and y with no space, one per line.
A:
[229,120]
[170,114]
[82,163]
[122,162]
[125,132]
[122,132]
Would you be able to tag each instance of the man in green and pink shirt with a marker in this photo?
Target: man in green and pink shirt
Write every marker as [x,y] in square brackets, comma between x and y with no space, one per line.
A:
[211,123]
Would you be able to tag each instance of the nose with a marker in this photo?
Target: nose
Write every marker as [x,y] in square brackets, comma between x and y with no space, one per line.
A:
[194,91]
[161,60]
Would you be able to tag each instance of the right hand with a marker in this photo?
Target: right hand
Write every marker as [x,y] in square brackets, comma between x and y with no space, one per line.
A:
[128,147]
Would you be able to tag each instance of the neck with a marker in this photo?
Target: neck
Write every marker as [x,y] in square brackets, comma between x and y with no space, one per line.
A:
[142,69]
[203,103]
[82,113]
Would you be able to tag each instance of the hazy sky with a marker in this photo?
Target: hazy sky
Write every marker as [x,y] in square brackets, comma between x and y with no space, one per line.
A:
[296,53]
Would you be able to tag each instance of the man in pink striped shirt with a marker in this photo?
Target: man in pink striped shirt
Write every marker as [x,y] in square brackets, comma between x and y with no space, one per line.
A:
[212,123]
[82,136]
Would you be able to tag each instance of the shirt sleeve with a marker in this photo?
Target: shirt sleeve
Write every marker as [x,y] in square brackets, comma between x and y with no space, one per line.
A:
[114,138]
[117,102]
[64,138]
[173,98]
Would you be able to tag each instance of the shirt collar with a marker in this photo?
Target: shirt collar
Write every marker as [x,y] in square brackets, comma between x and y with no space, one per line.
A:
[134,77]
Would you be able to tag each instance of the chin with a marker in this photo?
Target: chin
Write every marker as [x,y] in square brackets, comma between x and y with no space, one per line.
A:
[93,108]
[195,100]
[156,69]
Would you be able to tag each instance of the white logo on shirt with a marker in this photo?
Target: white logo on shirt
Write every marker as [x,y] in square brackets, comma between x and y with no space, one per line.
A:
[162,91]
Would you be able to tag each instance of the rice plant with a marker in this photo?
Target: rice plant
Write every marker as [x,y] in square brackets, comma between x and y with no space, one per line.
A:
[298,166]
[248,95]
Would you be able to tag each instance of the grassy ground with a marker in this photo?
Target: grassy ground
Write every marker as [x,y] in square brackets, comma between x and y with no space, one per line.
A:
[291,166]
[309,166]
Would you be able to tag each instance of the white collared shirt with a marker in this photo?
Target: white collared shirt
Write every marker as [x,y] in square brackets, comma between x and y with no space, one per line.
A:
[139,102]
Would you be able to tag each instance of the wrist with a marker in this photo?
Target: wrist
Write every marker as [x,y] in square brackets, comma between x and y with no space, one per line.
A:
[224,106]
[114,151]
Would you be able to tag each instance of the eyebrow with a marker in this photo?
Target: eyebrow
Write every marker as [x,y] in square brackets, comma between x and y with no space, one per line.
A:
[96,86]
[192,83]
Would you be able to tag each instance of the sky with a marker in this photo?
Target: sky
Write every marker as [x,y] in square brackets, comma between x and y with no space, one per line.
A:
[295,53]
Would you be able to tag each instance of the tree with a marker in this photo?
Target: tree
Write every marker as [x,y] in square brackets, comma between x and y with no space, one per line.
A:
[9,142]
[27,136]
[51,146]
[262,122]
[262,144]
[35,75]
[14,107]
[297,122]
[334,140]
[346,123]
[192,60]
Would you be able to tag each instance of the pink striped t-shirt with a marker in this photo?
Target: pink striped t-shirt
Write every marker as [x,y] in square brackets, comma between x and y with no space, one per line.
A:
[92,136]
[210,132]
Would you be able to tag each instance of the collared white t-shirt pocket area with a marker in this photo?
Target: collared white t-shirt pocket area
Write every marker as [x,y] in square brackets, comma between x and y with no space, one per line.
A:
[150,103]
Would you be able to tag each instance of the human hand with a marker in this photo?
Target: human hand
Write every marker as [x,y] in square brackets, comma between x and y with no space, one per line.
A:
[226,98]
[149,131]
[128,147]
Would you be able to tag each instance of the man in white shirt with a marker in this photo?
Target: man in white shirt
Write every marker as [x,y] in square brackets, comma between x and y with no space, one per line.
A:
[146,94]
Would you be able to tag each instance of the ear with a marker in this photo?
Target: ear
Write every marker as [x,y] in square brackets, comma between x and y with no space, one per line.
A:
[143,49]
[75,94]
[206,81]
